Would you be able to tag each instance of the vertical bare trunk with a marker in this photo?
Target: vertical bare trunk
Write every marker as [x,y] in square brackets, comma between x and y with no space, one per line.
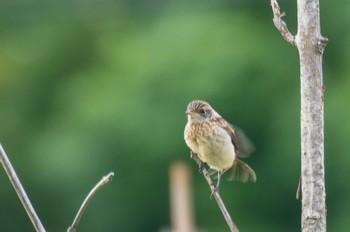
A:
[310,45]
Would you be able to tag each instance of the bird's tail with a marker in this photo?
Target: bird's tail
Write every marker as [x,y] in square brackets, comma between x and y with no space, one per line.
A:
[241,171]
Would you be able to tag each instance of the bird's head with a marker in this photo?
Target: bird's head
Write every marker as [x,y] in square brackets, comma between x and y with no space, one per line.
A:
[200,111]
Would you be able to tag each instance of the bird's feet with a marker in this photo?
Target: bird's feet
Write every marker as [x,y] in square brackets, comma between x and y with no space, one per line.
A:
[201,167]
[200,163]
[214,189]
[192,154]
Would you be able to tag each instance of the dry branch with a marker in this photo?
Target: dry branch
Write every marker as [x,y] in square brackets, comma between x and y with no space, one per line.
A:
[280,24]
[100,184]
[26,202]
[310,46]
[10,171]
[216,194]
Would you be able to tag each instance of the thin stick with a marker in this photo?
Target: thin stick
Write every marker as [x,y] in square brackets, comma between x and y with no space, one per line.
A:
[280,24]
[100,184]
[216,195]
[10,171]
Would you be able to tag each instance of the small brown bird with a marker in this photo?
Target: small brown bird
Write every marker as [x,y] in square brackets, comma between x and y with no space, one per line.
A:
[217,143]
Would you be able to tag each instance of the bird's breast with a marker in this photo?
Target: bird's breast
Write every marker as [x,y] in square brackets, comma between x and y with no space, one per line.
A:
[212,144]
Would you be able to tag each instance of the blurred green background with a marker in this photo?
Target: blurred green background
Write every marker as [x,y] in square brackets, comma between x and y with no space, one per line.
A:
[88,87]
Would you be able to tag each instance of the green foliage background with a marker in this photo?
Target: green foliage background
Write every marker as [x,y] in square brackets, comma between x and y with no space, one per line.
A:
[88,87]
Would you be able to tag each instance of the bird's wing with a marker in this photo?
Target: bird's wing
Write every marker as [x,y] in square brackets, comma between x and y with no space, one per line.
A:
[244,147]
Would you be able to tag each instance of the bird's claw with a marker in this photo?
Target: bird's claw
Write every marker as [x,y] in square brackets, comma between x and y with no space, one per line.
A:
[201,167]
[192,154]
[201,164]
[214,189]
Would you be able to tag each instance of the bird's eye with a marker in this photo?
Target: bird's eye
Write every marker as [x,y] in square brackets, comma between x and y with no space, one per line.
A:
[202,111]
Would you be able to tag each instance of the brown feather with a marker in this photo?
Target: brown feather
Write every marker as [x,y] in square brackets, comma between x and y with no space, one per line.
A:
[241,171]
[244,147]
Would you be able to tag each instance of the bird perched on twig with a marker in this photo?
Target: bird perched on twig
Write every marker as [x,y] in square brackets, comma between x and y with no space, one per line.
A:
[217,143]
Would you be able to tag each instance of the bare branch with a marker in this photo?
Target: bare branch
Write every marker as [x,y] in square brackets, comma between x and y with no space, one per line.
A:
[280,24]
[312,179]
[216,195]
[10,171]
[100,184]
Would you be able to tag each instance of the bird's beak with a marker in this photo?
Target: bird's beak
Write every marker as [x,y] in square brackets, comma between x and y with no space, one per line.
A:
[188,112]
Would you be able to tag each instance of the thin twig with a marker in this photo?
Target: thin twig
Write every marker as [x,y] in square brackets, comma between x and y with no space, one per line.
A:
[10,171]
[216,194]
[100,184]
[280,24]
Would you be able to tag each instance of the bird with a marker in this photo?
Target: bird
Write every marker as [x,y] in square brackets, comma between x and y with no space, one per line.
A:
[217,143]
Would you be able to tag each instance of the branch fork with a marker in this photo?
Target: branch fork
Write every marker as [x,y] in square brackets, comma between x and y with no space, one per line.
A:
[280,24]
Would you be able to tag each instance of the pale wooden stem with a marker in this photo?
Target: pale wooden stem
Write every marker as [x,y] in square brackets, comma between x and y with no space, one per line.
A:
[100,184]
[280,24]
[216,194]
[311,45]
[10,171]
